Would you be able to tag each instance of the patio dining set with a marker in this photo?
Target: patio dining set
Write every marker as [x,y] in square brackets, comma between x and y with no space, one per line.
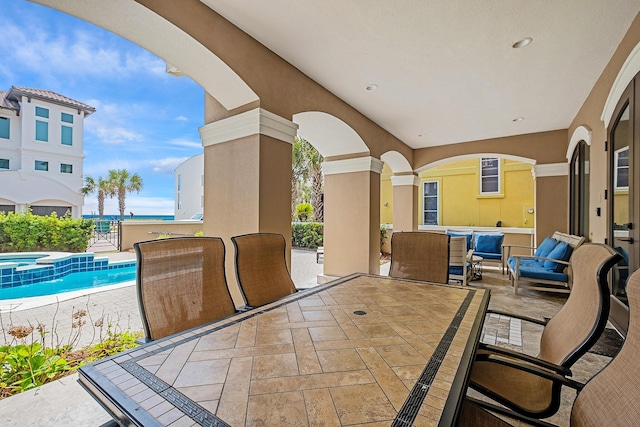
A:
[395,350]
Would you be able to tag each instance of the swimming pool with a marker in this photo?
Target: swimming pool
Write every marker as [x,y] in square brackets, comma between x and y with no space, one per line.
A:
[70,282]
[30,274]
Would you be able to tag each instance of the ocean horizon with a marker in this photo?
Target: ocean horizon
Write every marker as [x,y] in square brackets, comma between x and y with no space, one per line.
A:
[126,217]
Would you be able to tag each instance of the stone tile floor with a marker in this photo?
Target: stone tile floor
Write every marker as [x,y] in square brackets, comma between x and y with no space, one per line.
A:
[64,403]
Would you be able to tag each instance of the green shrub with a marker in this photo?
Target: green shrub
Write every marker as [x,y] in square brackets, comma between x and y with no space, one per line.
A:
[25,232]
[307,234]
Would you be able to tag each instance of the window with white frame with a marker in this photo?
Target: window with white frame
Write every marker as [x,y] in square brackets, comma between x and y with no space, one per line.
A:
[4,163]
[430,203]
[65,168]
[41,165]
[4,127]
[42,126]
[621,174]
[489,175]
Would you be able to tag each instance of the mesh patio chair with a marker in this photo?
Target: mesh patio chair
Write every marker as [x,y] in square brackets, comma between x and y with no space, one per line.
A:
[609,398]
[261,268]
[181,284]
[420,256]
[531,385]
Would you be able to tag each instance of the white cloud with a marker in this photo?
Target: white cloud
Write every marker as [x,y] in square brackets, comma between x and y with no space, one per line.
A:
[76,54]
[182,119]
[109,124]
[186,143]
[167,165]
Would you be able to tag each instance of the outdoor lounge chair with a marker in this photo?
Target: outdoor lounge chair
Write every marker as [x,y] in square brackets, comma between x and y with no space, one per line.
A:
[460,260]
[548,268]
[261,268]
[181,284]
[420,256]
[512,379]
[610,398]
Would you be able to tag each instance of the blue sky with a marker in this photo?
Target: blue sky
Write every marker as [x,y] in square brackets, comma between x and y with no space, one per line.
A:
[146,120]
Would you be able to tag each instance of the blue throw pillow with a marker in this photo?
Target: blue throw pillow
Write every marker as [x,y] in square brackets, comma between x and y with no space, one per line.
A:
[545,248]
[489,243]
[561,252]
[467,235]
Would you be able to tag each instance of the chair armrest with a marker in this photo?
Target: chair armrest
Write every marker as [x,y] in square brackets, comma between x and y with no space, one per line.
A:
[535,370]
[518,316]
[469,257]
[515,356]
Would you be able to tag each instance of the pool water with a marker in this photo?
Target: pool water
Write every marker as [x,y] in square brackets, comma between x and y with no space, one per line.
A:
[71,282]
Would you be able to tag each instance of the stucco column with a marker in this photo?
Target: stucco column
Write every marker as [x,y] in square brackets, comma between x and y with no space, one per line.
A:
[247,180]
[351,216]
[405,202]
[551,183]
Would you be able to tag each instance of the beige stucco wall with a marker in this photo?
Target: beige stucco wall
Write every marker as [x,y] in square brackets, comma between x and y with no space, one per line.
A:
[589,116]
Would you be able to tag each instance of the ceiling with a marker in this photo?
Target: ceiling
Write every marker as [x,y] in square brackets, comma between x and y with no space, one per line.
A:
[445,70]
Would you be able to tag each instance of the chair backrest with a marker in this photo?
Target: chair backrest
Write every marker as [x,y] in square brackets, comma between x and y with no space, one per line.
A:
[611,397]
[261,268]
[583,317]
[459,259]
[421,256]
[570,239]
[181,284]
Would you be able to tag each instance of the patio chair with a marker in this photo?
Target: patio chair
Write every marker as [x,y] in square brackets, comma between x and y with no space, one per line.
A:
[420,256]
[512,379]
[460,260]
[261,268]
[609,398]
[181,284]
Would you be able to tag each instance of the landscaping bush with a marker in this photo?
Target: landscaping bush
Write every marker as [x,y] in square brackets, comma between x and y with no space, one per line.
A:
[25,232]
[307,234]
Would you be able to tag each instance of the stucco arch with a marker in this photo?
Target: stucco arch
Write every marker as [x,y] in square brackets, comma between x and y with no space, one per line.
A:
[136,23]
[329,135]
[474,156]
[582,133]
[397,162]
[629,69]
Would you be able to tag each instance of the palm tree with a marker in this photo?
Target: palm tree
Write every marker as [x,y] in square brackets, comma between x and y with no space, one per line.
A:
[298,171]
[102,187]
[122,183]
[314,168]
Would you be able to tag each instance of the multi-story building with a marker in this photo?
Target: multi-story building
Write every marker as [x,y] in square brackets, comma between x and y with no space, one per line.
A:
[41,151]
[189,187]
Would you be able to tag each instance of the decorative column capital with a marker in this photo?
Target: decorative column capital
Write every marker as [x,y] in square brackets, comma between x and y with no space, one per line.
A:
[398,180]
[358,164]
[551,169]
[256,121]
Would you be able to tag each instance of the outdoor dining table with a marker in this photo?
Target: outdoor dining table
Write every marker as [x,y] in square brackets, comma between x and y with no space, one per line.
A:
[363,349]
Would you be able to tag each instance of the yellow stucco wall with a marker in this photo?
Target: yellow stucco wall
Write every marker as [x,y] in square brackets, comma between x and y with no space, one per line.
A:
[386,196]
[461,203]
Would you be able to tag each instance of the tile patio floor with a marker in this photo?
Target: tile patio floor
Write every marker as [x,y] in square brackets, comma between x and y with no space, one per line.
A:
[65,403]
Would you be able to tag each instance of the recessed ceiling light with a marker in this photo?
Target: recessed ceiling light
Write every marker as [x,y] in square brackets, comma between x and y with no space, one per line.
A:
[371,87]
[522,43]
[518,119]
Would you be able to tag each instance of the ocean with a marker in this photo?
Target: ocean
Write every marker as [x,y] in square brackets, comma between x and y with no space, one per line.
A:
[138,217]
